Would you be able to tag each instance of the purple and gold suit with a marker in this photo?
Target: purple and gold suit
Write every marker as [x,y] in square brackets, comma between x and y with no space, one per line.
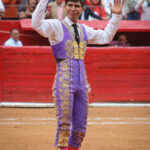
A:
[70,89]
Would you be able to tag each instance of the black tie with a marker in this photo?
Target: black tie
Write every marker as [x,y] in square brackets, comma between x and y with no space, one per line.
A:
[76,33]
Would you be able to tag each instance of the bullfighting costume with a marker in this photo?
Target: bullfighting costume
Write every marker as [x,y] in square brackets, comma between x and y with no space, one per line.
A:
[70,90]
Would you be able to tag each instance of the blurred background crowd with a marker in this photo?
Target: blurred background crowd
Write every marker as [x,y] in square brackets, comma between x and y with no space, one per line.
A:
[94,9]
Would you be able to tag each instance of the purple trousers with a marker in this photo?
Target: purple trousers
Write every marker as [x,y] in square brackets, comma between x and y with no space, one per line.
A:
[71,99]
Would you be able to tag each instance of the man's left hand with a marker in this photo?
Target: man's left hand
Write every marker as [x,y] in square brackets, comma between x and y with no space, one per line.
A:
[117,7]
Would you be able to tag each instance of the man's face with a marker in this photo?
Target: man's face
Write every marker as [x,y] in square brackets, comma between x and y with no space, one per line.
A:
[33,3]
[74,10]
[58,1]
[123,39]
[95,2]
[15,35]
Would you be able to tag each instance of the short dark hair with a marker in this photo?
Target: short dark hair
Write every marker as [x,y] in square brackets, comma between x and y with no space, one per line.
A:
[11,31]
[81,1]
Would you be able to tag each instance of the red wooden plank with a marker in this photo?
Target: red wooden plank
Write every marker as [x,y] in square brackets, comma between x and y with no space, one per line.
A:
[94,51]
[28,84]
[9,66]
[119,94]
[27,50]
[39,77]
[22,58]
[127,26]
[114,84]
[121,61]
[27,94]
[26,54]
[124,75]
[32,70]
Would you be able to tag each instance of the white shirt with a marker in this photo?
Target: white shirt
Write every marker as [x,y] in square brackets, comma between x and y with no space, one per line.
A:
[145,15]
[12,42]
[53,30]
[2,8]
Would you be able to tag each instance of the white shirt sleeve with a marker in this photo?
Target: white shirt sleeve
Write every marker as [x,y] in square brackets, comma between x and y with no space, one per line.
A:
[50,28]
[103,36]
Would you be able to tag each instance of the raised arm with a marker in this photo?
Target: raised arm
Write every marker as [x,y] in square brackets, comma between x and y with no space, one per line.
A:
[40,24]
[106,36]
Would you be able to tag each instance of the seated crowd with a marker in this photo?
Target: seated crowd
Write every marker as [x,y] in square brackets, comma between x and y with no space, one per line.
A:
[94,9]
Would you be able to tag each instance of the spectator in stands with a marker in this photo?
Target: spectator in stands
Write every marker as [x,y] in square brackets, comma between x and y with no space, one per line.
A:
[56,10]
[31,7]
[122,41]
[98,8]
[128,10]
[26,11]
[143,6]
[107,7]
[22,13]
[87,2]
[87,13]
[2,9]
[50,1]
[22,5]
[14,39]
[11,9]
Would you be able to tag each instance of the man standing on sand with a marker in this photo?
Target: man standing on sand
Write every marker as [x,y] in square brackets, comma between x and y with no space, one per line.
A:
[68,41]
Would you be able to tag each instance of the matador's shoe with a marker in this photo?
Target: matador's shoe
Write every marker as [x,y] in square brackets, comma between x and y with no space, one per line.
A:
[72,148]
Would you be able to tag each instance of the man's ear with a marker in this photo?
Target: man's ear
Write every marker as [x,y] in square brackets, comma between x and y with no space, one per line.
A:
[65,6]
[83,9]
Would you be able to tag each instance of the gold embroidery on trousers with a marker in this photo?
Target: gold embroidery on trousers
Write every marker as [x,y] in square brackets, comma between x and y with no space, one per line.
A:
[63,138]
[63,102]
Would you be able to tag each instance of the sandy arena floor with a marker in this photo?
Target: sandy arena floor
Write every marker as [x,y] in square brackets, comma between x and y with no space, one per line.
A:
[109,128]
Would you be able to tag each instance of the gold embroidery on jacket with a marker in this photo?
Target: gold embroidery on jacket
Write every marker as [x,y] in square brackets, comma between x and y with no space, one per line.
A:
[72,48]
[69,49]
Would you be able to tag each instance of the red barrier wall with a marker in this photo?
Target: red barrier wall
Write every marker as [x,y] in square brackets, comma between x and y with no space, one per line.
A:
[120,74]
[0,75]
[28,74]
[138,32]
[115,74]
